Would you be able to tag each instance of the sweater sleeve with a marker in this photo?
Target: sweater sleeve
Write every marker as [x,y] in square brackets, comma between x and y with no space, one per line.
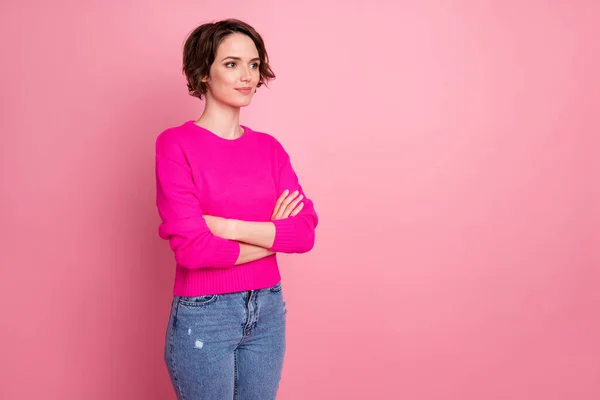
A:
[294,234]
[182,222]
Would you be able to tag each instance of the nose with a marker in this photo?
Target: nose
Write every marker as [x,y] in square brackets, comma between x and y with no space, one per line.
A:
[246,74]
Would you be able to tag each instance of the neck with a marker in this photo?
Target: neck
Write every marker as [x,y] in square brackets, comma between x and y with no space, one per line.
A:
[221,119]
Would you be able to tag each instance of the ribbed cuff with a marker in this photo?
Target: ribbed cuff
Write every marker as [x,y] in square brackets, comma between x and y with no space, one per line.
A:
[229,254]
[284,235]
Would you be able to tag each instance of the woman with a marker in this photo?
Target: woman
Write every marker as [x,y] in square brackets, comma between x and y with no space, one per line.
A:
[229,200]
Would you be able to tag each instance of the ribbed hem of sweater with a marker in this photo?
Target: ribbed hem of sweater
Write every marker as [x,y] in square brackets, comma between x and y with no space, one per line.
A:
[259,274]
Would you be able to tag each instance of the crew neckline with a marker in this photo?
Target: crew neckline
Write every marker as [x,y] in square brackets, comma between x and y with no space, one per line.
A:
[247,132]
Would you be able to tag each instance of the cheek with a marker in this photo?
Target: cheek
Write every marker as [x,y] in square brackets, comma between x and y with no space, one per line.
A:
[221,83]
[219,79]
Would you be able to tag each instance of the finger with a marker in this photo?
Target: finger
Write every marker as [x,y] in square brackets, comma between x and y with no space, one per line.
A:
[286,202]
[282,197]
[297,209]
[278,202]
[290,207]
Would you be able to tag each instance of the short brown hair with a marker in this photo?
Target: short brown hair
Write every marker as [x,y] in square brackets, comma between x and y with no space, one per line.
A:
[201,47]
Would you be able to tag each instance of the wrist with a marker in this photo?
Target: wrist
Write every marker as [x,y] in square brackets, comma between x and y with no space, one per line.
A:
[233,228]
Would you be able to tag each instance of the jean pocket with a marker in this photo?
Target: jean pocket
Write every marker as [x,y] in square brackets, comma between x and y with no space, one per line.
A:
[197,301]
[276,288]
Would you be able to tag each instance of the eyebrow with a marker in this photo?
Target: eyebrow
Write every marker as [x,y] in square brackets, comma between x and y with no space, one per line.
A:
[239,59]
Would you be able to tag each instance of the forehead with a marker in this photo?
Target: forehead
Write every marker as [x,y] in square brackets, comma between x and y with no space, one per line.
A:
[237,45]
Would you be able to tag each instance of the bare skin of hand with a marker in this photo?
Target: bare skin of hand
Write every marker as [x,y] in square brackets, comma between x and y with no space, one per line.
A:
[287,205]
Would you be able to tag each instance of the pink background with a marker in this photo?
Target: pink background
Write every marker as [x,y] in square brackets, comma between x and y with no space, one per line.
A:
[451,148]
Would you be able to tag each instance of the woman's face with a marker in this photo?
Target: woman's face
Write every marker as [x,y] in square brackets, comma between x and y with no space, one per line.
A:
[235,72]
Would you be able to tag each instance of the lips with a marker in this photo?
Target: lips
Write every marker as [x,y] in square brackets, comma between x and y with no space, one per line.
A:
[244,90]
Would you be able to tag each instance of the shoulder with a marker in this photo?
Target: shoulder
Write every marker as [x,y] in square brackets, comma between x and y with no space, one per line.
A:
[172,138]
[269,141]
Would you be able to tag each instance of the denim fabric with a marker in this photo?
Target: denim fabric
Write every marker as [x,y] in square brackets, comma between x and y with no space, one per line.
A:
[227,346]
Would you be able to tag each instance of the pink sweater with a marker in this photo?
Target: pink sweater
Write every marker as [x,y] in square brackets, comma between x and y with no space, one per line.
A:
[198,172]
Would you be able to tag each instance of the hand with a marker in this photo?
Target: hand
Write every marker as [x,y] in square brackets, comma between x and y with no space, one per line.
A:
[287,205]
[219,226]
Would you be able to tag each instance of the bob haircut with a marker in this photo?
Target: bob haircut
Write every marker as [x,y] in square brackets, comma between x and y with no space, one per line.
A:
[201,46]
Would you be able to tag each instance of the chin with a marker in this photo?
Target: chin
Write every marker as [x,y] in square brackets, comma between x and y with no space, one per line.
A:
[240,103]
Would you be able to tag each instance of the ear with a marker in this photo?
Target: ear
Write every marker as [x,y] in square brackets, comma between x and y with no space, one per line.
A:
[204,79]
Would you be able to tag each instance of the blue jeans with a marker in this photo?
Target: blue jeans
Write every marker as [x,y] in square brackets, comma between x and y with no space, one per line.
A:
[227,346]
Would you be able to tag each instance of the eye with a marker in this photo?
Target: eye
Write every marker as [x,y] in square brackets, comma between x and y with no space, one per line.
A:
[230,64]
[255,65]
